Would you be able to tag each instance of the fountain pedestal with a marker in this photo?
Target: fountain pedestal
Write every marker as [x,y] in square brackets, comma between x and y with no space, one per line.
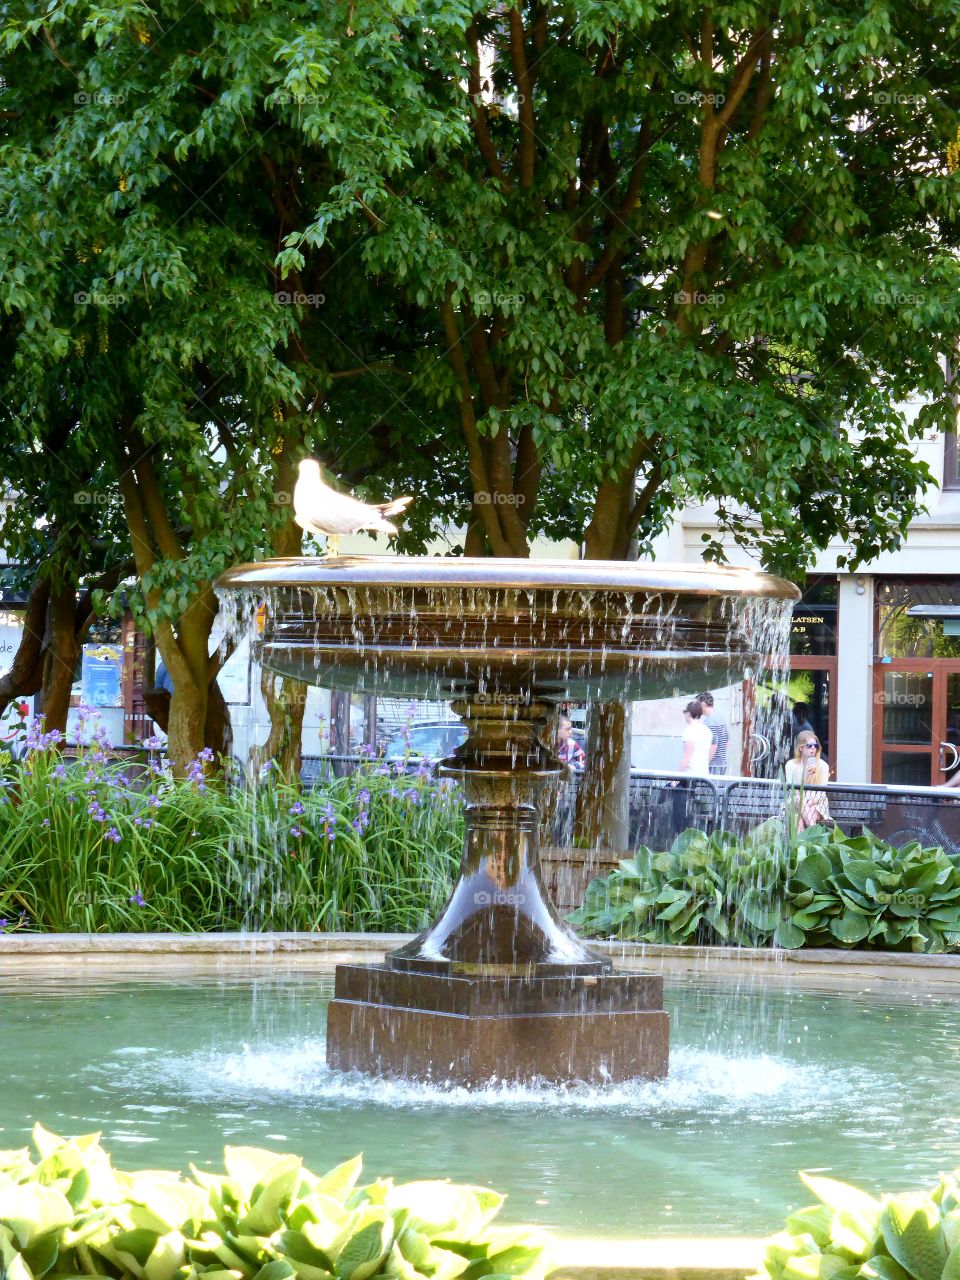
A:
[499,987]
[470,1028]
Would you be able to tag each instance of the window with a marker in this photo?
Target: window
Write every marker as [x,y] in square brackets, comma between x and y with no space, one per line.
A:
[951,462]
[951,457]
[813,631]
[900,635]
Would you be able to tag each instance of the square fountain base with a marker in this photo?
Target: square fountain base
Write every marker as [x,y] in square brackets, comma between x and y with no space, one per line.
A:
[470,1029]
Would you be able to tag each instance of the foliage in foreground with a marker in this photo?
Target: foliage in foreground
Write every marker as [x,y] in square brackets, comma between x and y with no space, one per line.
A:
[820,888]
[267,1218]
[85,846]
[850,1235]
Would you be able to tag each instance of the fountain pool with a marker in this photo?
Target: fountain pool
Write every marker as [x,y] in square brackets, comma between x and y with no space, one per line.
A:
[764,1079]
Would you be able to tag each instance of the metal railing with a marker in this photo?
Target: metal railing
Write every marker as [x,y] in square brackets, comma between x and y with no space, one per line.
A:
[898,815]
[664,804]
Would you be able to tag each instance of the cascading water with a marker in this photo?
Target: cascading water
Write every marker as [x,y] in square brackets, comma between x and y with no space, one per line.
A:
[499,985]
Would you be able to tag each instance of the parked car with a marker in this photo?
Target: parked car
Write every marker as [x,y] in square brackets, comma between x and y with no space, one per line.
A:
[434,739]
[426,740]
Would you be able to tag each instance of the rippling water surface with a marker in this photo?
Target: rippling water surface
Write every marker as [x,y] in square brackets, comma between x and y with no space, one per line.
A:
[762,1083]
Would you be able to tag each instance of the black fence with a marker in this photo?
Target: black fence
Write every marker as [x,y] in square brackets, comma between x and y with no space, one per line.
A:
[896,814]
[664,804]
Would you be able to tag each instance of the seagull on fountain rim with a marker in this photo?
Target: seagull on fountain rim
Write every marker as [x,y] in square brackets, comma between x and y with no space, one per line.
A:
[319,509]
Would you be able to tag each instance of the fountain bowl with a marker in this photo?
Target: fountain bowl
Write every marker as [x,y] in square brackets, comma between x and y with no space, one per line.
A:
[434,627]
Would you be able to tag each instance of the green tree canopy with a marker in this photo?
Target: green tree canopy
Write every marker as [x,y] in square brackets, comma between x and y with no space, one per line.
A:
[559,267]
[675,252]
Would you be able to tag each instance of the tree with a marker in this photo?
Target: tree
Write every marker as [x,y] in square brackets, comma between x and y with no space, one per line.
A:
[569,264]
[678,252]
[144,309]
[681,252]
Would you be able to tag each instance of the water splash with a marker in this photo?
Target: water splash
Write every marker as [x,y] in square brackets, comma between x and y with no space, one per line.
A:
[708,1083]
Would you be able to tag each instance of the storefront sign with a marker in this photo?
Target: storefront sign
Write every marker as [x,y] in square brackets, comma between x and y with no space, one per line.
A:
[813,629]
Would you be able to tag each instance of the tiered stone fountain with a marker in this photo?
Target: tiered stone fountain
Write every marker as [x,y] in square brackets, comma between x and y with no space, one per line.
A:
[499,987]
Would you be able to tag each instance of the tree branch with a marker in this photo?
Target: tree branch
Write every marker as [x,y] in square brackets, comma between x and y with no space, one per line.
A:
[480,120]
[475,454]
[525,98]
[25,676]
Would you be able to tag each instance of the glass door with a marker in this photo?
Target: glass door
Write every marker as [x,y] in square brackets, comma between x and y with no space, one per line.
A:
[949,753]
[916,722]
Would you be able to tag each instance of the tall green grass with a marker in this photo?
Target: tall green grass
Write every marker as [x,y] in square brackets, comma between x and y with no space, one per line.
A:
[86,848]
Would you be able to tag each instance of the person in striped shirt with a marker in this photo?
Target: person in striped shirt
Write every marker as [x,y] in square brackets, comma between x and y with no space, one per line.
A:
[718,732]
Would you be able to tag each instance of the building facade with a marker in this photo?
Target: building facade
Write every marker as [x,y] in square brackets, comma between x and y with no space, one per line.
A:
[875,653]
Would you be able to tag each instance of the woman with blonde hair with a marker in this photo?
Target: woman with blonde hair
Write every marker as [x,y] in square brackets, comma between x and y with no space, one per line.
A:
[805,772]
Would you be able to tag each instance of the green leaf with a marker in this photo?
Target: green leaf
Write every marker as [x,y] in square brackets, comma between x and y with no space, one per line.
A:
[367,1248]
[850,928]
[951,1268]
[813,870]
[788,935]
[32,1210]
[271,1195]
[912,1233]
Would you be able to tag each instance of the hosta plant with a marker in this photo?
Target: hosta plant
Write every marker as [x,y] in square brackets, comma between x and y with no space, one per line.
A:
[70,1213]
[860,890]
[849,1235]
[703,889]
[816,888]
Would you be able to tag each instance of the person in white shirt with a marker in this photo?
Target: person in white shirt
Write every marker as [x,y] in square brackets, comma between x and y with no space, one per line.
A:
[697,741]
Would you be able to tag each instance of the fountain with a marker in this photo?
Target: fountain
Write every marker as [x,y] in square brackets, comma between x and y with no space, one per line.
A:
[498,987]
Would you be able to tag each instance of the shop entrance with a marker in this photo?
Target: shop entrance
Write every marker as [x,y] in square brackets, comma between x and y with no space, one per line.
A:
[916,681]
[916,730]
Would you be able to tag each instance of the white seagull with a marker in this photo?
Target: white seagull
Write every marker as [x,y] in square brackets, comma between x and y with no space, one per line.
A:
[319,509]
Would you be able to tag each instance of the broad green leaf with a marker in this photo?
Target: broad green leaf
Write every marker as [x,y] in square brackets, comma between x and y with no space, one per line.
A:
[341,1180]
[912,1233]
[271,1195]
[788,935]
[365,1250]
[248,1166]
[32,1210]
[850,928]
[443,1210]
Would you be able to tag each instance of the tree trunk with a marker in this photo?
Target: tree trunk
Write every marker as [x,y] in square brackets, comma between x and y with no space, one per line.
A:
[25,676]
[217,729]
[603,799]
[185,729]
[286,701]
[61,652]
[186,657]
